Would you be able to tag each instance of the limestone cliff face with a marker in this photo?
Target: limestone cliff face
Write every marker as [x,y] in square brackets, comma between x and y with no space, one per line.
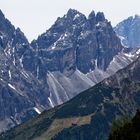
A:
[75,41]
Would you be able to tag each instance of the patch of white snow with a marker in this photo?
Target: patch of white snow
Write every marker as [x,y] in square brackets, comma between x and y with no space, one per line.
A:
[11,86]
[51,103]
[76,16]
[37,110]
[10,76]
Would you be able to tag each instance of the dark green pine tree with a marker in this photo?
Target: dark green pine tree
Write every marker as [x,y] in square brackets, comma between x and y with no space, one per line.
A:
[129,130]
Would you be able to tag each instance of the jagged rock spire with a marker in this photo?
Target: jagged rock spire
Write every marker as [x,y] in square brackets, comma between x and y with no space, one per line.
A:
[100,17]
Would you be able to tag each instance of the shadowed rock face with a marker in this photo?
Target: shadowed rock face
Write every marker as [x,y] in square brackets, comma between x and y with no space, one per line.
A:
[129,30]
[74,54]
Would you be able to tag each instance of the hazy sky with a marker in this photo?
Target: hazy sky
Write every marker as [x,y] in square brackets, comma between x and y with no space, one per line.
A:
[36,16]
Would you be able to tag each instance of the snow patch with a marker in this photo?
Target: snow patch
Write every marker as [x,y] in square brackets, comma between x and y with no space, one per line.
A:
[37,71]
[37,110]
[53,47]
[129,55]
[76,16]
[10,76]
[5,52]
[121,37]
[20,61]
[51,103]
[14,61]
[23,44]
[1,37]
[138,51]
[60,38]
[81,33]
[9,51]
[96,65]
[25,74]
[11,86]
[65,35]
[98,24]
[1,79]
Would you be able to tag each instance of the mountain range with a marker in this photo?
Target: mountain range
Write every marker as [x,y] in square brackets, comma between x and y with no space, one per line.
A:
[75,54]
[89,115]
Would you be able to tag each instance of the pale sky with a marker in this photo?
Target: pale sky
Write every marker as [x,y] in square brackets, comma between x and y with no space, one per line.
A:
[35,16]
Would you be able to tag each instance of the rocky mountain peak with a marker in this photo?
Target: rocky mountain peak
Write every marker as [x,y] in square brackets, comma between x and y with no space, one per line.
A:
[100,17]
[74,38]
[74,17]
[92,15]
[71,17]
[1,14]
[128,30]
[92,18]
[12,40]
[72,13]
[137,16]
[5,25]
